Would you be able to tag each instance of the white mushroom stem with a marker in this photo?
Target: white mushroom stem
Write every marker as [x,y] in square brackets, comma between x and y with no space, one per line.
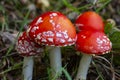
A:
[92,1]
[83,67]
[28,68]
[55,61]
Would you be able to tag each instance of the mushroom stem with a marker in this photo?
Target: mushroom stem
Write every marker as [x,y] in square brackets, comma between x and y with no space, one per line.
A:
[92,1]
[83,67]
[55,61]
[28,68]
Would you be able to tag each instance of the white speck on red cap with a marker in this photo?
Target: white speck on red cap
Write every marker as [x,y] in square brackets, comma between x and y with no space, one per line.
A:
[65,34]
[39,21]
[70,40]
[53,15]
[52,22]
[99,41]
[62,41]
[78,25]
[58,34]
[39,36]
[57,26]
[43,40]
[50,40]
[48,33]
[83,36]
[34,29]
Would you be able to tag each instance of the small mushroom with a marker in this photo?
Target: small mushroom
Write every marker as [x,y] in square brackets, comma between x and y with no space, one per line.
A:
[90,43]
[54,30]
[90,21]
[27,48]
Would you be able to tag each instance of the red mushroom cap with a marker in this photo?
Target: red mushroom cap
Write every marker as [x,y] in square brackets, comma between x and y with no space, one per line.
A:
[90,42]
[90,21]
[53,29]
[26,47]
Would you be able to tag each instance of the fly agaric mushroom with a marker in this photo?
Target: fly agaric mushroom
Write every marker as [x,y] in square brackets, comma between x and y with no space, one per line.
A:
[28,49]
[90,21]
[55,30]
[90,43]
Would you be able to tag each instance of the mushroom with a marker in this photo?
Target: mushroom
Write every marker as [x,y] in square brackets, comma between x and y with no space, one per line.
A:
[90,43]
[90,21]
[27,48]
[54,30]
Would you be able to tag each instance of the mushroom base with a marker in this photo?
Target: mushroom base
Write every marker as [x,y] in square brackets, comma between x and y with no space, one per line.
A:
[28,68]
[83,67]
[55,61]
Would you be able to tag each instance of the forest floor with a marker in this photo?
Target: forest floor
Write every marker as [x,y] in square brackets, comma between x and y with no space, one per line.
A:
[16,14]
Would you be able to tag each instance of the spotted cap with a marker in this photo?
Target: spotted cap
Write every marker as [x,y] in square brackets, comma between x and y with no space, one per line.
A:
[26,47]
[52,29]
[90,42]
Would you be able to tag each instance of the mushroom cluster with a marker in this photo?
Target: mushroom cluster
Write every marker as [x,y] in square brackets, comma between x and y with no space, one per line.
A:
[55,30]
[91,40]
[52,29]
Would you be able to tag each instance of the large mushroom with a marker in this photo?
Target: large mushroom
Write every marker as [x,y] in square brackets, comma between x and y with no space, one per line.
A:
[90,43]
[27,48]
[54,30]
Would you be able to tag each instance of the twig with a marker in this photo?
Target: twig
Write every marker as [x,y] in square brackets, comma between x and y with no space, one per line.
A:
[112,69]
